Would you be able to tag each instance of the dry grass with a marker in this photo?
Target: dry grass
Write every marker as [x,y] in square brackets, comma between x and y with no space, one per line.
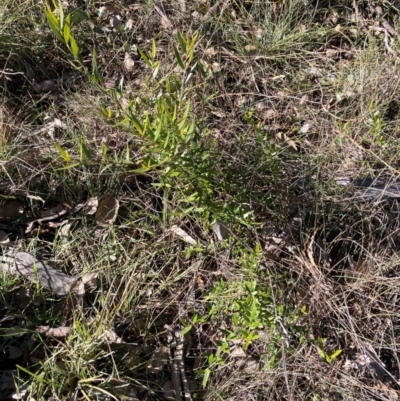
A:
[287,98]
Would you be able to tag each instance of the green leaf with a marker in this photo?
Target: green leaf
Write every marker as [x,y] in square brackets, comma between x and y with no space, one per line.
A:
[178,57]
[78,15]
[69,167]
[93,78]
[190,50]
[144,57]
[104,150]
[39,379]
[140,170]
[52,17]
[323,354]
[182,122]
[158,130]
[54,25]
[127,155]
[83,150]
[61,11]
[74,46]
[181,41]
[137,124]
[206,376]
[335,354]
[63,153]
[67,29]
[201,68]
[153,49]
[186,329]
[56,31]
[190,130]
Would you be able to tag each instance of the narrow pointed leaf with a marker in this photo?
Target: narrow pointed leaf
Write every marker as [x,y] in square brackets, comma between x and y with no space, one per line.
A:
[74,46]
[67,29]
[178,57]
[182,43]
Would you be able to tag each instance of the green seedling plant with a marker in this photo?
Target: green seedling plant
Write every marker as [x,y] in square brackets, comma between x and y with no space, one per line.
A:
[251,311]
[61,25]
[376,127]
[329,358]
[248,309]
[172,140]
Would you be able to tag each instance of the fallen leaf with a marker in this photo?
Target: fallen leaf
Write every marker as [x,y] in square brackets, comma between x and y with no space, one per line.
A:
[34,270]
[237,352]
[3,237]
[248,365]
[199,283]
[44,87]
[91,206]
[216,67]
[158,360]
[21,392]
[251,365]
[210,51]
[64,230]
[50,127]
[57,332]
[168,389]
[78,290]
[304,128]
[332,53]
[115,22]
[129,24]
[250,48]
[22,297]
[218,113]
[14,352]
[110,83]
[7,380]
[285,139]
[220,230]
[182,234]
[11,209]
[256,31]
[182,5]
[36,356]
[268,114]
[106,10]
[165,22]
[107,211]
[112,337]
[129,63]
[374,362]
[89,280]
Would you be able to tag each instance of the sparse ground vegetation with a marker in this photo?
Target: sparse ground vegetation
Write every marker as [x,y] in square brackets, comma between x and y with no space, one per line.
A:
[200,198]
